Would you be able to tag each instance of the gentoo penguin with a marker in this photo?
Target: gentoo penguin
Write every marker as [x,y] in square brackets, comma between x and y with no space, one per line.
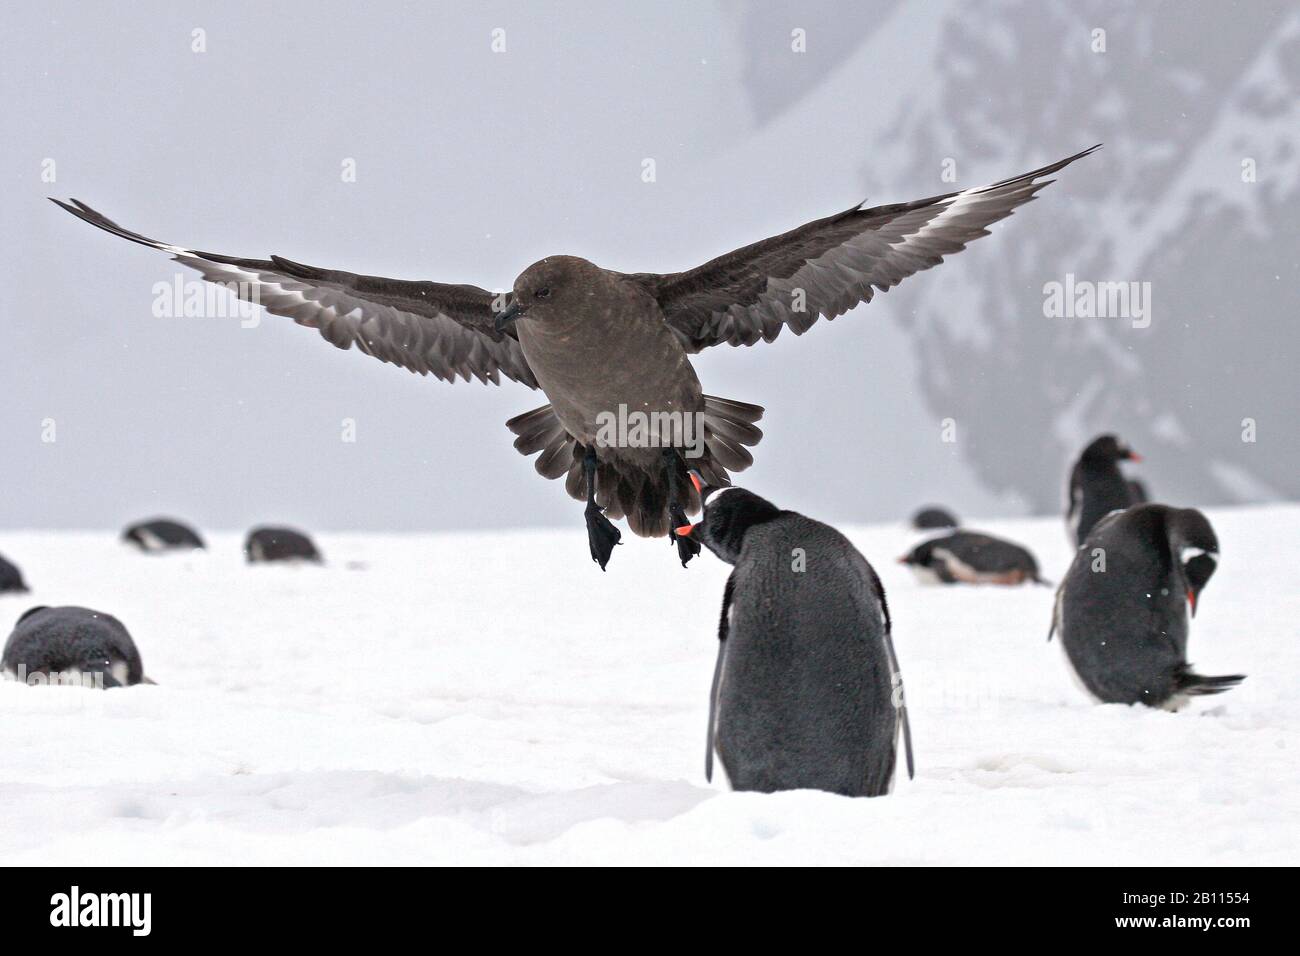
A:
[1122,609]
[11,579]
[51,645]
[806,689]
[972,558]
[625,412]
[162,534]
[279,544]
[1096,485]
[928,519]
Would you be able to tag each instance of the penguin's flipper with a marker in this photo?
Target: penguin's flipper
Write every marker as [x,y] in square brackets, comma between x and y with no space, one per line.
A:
[907,744]
[896,673]
[902,705]
[1056,612]
[723,626]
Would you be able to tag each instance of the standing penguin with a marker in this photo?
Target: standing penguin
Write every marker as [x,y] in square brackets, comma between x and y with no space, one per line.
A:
[1122,609]
[11,579]
[804,690]
[1097,487]
[72,645]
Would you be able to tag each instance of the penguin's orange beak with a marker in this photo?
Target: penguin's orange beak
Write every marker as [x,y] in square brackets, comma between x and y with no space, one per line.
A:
[1191,601]
[1134,456]
[684,531]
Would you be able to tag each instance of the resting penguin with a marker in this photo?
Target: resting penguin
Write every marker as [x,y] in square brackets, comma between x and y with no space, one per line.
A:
[933,517]
[806,689]
[1124,628]
[72,645]
[279,544]
[972,558]
[11,579]
[1097,486]
[162,534]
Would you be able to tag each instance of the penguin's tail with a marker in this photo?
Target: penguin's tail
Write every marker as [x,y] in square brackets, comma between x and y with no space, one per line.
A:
[1192,684]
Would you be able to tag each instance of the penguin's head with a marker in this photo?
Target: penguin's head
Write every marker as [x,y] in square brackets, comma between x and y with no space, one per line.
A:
[729,513]
[1195,550]
[922,556]
[923,562]
[1105,448]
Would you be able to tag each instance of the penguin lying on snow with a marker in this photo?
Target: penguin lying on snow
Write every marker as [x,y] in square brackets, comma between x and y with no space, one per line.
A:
[11,579]
[279,544]
[806,690]
[928,519]
[72,645]
[972,558]
[1122,609]
[1097,487]
[162,534]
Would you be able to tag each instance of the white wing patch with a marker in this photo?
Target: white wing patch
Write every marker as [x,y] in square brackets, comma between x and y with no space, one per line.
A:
[964,200]
[150,541]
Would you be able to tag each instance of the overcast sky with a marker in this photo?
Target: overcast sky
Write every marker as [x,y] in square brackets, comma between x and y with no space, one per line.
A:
[469,165]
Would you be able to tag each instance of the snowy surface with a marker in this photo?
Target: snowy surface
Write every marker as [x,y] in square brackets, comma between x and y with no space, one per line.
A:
[494,698]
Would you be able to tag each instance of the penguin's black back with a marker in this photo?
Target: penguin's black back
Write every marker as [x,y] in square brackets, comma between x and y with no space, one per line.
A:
[1125,629]
[50,640]
[1097,487]
[279,544]
[159,534]
[11,579]
[804,691]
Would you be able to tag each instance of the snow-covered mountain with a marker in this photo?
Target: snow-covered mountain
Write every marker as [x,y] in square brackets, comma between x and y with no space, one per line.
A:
[1195,195]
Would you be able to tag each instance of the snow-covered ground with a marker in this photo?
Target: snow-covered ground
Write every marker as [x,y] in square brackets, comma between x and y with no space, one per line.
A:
[494,698]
